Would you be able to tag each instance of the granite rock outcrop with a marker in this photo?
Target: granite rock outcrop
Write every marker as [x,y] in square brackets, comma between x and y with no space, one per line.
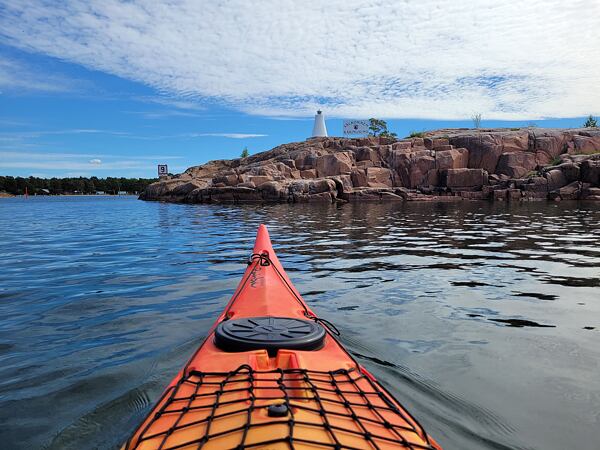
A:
[444,165]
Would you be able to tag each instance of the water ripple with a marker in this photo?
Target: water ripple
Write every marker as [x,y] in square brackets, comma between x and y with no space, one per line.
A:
[482,319]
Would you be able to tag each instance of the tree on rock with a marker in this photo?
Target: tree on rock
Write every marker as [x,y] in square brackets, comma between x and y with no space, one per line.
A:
[378,127]
[244,153]
[591,122]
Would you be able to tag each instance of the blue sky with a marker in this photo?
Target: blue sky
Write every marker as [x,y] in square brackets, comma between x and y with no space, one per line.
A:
[113,88]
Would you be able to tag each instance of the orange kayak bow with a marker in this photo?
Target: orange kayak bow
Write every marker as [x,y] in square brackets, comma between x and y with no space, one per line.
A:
[271,375]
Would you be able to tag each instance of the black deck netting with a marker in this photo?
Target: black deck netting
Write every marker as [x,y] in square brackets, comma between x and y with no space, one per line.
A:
[278,409]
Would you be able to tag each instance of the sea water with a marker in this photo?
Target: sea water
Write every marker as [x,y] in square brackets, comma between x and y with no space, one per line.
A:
[482,319]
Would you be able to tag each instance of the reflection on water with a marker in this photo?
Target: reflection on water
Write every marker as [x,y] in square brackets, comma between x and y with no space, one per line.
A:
[482,319]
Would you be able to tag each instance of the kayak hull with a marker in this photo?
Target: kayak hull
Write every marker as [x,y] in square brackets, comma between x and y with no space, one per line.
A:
[275,397]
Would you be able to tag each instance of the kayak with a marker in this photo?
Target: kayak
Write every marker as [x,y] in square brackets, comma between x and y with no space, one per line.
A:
[272,375]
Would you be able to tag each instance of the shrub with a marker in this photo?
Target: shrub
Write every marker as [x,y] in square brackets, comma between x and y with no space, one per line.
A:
[245,153]
[556,161]
[591,122]
[416,134]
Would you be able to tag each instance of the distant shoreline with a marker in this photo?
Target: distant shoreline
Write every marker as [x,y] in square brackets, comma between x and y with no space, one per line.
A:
[18,185]
[7,195]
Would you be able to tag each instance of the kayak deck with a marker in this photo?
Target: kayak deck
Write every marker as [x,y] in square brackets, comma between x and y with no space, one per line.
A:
[266,396]
[243,409]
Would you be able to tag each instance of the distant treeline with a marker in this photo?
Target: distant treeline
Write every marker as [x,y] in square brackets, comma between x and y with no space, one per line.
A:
[80,185]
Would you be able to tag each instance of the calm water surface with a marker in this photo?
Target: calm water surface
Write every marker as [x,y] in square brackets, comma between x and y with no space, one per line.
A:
[484,320]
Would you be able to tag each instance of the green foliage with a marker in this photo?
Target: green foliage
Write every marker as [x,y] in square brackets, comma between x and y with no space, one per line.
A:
[245,153]
[417,134]
[556,161]
[591,122]
[514,129]
[80,185]
[378,127]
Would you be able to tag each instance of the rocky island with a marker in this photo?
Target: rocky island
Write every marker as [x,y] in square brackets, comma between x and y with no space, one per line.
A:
[444,165]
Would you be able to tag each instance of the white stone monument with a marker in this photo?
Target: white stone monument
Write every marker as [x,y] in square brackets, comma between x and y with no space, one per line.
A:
[319,128]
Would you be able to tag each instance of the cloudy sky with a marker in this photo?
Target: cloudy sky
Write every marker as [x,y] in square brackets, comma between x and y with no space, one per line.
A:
[112,88]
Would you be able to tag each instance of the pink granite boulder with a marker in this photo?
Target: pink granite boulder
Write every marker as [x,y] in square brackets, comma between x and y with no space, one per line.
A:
[334,164]
[464,178]
[457,158]
[516,164]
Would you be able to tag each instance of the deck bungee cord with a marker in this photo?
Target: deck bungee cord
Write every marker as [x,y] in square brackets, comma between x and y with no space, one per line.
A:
[319,388]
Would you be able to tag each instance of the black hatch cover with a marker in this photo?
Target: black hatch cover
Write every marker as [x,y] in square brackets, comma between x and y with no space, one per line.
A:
[269,333]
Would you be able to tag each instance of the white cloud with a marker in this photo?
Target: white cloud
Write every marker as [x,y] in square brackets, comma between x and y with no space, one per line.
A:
[196,135]
[12,123]
[421,59]
[10,138]
[45,164]
[164,114]
[11,155]
[57,161]
[18,136]
[18,77]
[290,118]
[172,102]
[225,135]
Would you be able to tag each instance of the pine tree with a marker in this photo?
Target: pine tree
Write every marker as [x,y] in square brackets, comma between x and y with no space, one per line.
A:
[378,127]
[591,122]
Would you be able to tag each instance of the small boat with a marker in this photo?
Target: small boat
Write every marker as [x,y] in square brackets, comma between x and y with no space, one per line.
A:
[272,375]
